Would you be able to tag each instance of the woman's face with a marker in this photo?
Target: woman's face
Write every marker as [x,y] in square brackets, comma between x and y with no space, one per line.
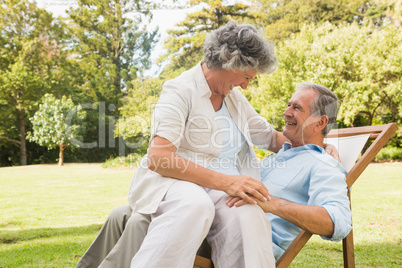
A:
[227,80]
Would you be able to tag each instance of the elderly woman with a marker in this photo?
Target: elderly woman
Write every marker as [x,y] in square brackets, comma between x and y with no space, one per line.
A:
[201,152]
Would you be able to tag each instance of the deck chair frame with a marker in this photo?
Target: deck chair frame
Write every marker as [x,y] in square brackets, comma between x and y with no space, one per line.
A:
[379,135]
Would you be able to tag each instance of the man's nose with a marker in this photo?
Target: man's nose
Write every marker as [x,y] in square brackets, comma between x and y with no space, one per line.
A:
[287,112]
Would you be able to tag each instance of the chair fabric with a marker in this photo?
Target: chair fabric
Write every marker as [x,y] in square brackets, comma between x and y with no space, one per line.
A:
[349,148]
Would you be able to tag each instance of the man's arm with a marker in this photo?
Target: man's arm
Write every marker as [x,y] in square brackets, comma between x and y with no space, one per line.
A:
[314,219]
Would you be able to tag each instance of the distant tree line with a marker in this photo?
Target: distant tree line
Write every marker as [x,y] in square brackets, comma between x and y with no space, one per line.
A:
[95,59]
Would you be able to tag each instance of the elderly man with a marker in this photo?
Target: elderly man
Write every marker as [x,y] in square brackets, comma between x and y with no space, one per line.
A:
[307,185]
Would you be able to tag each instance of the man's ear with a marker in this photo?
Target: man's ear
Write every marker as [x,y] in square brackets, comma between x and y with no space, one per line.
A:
[321,123]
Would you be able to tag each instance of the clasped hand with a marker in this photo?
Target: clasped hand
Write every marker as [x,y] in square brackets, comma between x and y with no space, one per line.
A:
[247,189]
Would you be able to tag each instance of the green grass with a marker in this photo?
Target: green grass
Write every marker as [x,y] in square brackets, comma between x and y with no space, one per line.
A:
[49,215]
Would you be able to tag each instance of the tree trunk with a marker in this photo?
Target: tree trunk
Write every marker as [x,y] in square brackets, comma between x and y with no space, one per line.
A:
[61,155]
[23,145]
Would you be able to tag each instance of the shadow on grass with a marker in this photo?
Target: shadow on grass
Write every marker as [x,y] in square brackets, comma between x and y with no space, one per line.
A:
[45,247]
[14,236]
[63,247]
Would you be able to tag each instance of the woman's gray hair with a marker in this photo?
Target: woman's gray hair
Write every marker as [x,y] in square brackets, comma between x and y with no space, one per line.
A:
[326,103]
[239,47]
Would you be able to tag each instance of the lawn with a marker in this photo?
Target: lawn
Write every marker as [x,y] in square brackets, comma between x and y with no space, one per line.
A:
[51,214]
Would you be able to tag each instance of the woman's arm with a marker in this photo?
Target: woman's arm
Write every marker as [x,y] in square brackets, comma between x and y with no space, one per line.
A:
[277,141]
[162,158]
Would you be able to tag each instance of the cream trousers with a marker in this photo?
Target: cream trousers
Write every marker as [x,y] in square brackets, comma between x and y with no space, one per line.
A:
[238,236]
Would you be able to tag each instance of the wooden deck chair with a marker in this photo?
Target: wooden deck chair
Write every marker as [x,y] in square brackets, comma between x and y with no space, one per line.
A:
[343,139]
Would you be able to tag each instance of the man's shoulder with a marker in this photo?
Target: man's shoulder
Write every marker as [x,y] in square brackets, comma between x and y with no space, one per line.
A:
[322,160]
[315,158]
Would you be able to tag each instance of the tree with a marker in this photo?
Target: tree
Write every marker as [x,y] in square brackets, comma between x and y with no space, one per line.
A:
[185,41]
[29,54]
[9,135]
[56,124]
[281,18]
[134,125]
[393,10]
[111,45]
[360,64]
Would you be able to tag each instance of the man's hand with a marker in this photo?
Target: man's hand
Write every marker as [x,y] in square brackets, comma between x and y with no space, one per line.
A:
[246,188]
[332,151]
[235,201]
[238,202]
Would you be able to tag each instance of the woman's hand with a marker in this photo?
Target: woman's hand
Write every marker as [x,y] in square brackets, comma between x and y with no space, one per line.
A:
[246,188]
[332,151]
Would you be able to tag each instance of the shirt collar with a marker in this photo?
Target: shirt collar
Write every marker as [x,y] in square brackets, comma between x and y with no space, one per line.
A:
[287,146]
[202,83]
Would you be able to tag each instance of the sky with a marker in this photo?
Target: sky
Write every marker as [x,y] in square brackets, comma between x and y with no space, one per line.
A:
[164,18]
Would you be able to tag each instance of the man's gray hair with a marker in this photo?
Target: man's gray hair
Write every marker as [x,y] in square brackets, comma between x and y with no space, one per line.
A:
[326,103]
[239,47]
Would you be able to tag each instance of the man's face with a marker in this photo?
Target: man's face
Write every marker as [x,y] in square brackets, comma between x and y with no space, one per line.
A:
[298,120]
[231,79]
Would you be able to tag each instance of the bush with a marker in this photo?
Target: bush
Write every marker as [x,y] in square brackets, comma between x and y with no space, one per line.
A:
[389,153]
[261,153]
[123,161]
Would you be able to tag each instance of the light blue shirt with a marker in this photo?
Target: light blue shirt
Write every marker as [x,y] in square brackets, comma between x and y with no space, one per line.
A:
[306,175]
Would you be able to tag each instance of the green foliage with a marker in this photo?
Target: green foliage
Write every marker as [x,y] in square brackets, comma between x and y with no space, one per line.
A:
[389,153]
[261,153]
[134,124]
[185,41]
[282,18]
[56,123]
[99,53]
[360,64]
[30,51]
[131,160]
[394,10]
[111,47]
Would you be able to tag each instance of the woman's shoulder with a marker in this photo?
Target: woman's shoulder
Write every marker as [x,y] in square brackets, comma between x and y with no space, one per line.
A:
[182,83]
